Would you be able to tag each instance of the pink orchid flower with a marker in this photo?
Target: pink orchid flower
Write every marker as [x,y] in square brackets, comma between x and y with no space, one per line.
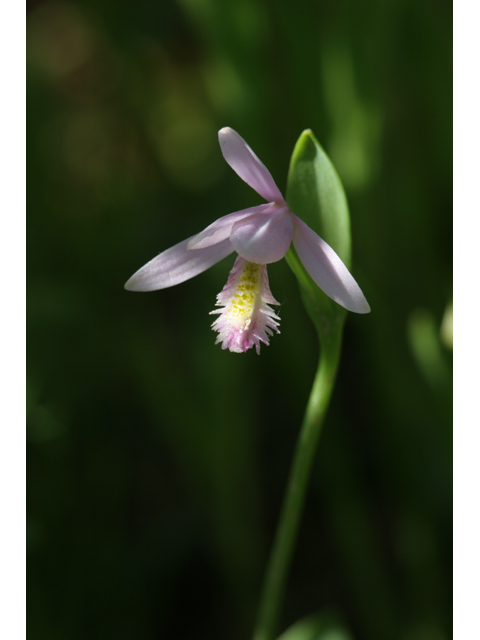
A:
[259,235]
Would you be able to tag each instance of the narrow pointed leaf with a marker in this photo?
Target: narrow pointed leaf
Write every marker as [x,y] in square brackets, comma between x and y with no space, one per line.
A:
[315,194]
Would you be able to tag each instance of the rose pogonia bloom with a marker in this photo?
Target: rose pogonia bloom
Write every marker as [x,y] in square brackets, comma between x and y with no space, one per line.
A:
[259,235]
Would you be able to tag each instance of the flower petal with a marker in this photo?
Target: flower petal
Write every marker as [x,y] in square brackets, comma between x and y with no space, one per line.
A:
[221,228]
[245,318]
[327,270]
[263,237]
[177,264]
[246,164]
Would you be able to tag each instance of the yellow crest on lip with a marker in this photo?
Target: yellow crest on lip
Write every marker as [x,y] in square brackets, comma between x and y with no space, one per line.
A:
[243,301]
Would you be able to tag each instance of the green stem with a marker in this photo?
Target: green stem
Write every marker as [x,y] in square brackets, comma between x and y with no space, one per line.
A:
[283,546]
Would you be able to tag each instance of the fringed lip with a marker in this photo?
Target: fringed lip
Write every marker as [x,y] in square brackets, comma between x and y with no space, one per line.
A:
[245,319]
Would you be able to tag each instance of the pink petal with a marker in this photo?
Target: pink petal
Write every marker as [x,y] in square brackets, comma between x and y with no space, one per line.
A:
[246,164]
[245,318]
[263,237]
[221,228]
[176,265]
[327,270]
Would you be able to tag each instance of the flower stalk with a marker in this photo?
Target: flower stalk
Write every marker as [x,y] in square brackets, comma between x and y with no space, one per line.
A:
[284,543]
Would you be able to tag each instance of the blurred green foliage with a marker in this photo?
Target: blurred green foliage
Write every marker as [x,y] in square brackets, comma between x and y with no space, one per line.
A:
[157,462]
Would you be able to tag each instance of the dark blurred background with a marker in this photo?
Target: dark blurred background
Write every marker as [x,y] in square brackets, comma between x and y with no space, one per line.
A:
[157,462]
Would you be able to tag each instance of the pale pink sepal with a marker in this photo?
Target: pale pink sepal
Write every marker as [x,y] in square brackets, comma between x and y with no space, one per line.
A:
[222,227]
[263,238]
[247,165]
[326,268]
[177,264]
[239,332]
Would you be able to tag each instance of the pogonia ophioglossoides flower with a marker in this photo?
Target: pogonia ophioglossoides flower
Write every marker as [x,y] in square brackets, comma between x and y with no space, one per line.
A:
[259,235]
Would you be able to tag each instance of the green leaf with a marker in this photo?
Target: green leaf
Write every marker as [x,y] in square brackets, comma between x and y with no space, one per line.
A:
[316,627]
[315,194]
